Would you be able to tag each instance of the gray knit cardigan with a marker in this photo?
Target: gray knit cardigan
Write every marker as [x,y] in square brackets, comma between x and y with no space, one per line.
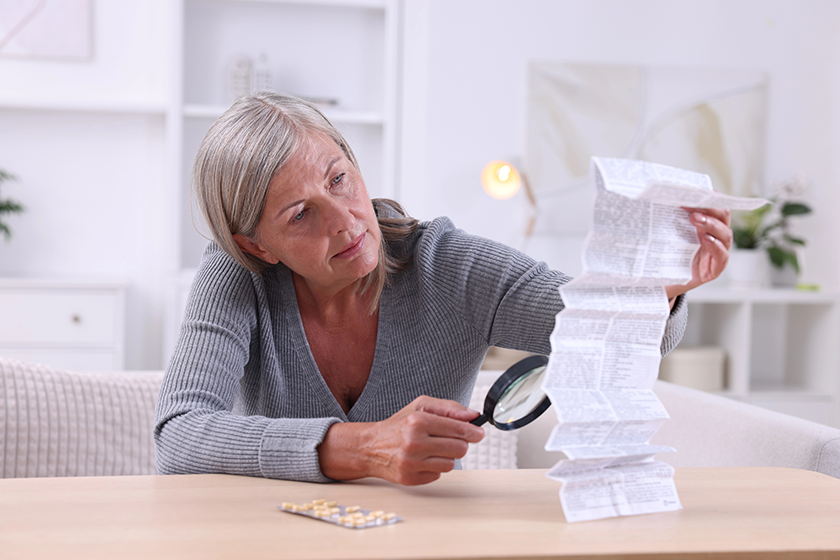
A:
[242,393]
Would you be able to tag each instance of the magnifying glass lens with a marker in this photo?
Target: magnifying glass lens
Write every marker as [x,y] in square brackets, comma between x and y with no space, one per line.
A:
[521,398]
[516,398]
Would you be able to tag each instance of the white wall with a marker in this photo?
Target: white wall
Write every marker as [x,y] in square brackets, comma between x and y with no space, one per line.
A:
[94,186]
[465,80]
[87,141]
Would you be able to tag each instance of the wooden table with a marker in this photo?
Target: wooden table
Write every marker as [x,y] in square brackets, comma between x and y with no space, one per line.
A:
[740,513]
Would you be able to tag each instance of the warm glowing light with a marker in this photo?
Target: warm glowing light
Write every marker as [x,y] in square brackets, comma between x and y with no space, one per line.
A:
[503,172]
[500,179]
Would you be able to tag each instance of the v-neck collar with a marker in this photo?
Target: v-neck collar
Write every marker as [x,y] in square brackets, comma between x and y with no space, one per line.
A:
[310,367]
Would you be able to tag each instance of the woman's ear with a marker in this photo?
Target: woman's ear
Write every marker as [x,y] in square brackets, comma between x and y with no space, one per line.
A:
[253,248]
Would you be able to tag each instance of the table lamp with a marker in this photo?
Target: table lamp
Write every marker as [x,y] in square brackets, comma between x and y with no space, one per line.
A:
[502,180]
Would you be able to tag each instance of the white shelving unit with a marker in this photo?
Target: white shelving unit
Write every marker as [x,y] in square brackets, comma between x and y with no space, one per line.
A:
[345,51]
[71,325]
[781,346]
[141,105]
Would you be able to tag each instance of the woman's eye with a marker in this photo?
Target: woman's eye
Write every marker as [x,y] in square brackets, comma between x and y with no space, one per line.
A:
[298,217]
[337,179]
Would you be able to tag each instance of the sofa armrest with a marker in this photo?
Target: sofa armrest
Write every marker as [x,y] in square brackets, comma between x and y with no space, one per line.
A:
[709,430]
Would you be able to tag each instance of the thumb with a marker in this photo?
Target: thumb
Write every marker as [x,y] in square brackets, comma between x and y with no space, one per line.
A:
[445,408]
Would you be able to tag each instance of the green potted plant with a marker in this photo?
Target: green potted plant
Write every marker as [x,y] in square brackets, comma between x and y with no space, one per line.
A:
[7,205]
[768,228]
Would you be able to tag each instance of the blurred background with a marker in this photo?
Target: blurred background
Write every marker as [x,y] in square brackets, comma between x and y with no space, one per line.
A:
[103,102]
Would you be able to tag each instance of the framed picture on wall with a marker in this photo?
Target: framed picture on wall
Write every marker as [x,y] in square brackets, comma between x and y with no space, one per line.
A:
[709,120]
[46,29]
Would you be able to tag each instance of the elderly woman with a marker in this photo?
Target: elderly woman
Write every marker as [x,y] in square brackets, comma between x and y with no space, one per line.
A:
[331,337]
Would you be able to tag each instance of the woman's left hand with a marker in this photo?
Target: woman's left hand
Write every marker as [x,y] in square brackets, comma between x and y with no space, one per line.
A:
[715,240]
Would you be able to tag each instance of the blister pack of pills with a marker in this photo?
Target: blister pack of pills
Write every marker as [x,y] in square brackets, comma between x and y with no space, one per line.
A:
[352,517]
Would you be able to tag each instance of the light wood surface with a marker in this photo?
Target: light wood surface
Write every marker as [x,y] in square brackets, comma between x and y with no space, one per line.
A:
[740,513]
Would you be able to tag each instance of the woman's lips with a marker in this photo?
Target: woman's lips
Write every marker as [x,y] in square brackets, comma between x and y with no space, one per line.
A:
[352,249]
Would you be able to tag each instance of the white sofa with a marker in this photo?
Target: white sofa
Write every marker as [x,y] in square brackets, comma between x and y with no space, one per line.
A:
[708,430]
[59,423]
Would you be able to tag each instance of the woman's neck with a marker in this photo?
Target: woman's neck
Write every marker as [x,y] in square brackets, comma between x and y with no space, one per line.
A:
[331,308]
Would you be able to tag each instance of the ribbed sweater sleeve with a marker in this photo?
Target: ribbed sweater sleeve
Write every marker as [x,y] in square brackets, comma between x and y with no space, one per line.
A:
[196,430]
[510,299]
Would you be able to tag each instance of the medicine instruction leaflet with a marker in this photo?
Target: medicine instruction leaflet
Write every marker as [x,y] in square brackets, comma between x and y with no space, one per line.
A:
[606,342]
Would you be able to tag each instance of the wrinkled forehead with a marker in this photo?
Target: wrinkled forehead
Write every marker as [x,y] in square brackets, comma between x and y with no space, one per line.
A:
[311,159]
[313,152]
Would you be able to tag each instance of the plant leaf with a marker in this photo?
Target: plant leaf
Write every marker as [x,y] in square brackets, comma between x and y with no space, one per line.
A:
[792,260]
[744,239]
[795,240]
[777,256]
[795,209]
[766,231]
[10,206]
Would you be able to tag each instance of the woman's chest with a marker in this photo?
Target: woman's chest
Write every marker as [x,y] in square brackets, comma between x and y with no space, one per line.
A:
[344,357]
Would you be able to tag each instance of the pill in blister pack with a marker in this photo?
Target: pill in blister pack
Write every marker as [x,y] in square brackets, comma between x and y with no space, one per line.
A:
[352,517]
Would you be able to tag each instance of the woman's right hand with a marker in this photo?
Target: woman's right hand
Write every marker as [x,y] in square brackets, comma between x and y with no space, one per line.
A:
[414,446]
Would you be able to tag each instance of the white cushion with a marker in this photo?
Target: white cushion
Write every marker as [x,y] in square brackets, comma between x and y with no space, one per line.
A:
[62,423]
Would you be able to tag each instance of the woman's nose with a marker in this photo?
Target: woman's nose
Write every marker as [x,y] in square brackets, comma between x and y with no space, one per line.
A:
[339,218]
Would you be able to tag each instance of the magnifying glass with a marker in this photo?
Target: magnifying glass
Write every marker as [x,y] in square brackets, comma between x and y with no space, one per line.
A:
[516,398]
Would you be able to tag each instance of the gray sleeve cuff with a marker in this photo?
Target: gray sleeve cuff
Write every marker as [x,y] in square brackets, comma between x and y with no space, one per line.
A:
[675,327]
[289,449]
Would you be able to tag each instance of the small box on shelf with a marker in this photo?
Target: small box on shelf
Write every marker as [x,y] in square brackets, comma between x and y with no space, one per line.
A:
[698,367]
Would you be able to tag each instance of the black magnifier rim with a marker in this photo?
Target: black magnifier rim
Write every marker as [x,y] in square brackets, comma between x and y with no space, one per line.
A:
[503,383]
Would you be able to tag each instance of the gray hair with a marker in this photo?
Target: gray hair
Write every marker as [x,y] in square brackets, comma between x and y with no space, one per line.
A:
[240,155]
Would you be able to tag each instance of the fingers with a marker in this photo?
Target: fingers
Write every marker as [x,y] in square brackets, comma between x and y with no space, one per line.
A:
[428,447]
[716,238]
[712,260]
[722,214]
[445,408]
[422,440]
[441,418]
[714,225]
[715,241]
[441,427]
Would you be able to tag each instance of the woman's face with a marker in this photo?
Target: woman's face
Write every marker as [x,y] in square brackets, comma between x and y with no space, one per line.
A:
[318,219]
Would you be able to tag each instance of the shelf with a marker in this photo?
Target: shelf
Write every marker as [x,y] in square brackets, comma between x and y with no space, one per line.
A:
[120,108]
[766,392]
[292,39]
[369,4]
[11,282]
[781,346]
[334,115]
[778,295]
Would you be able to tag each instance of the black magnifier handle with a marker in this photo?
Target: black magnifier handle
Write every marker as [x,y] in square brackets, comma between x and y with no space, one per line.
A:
[511,380]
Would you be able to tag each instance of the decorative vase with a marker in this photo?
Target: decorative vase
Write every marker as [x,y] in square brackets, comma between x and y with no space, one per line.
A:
[784,277]
[747,269]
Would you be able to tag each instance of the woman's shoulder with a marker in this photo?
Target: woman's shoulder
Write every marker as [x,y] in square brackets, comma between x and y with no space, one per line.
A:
[440,236]
[219,275]
[433,231]
[438,225]
[220,267]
